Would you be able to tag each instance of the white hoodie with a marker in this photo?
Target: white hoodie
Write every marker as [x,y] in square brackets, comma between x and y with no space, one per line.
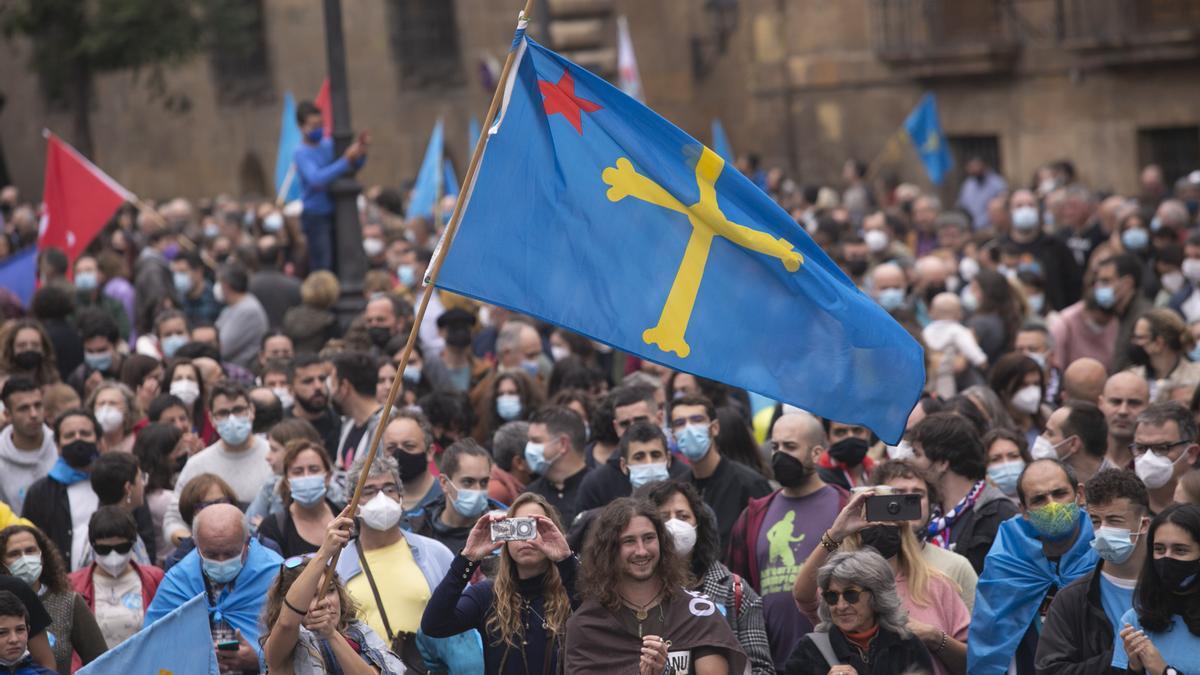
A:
[21,468]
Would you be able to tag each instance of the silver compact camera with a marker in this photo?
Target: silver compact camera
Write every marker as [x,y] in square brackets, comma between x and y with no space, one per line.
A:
[514,529]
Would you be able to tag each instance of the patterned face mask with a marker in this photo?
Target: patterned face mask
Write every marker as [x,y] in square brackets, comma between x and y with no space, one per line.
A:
[1054,521]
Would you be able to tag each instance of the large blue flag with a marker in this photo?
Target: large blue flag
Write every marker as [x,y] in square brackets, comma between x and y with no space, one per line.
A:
[720,142]
[180,643]
[18,273]
[425,192]
[594,213]
[925,130]
[287,185]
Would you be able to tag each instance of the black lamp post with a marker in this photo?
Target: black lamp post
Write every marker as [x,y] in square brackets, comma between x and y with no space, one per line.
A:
[350,263]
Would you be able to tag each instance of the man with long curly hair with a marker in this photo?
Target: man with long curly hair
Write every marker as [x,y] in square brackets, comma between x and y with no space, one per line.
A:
[636,607]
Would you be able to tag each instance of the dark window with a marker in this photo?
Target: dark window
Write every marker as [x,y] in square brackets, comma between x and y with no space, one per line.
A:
[987,148]
[238,51]
[1154,15]
[423,35]
[1175,149]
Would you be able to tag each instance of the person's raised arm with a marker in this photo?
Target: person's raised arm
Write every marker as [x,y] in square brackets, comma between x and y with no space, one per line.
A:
[848,522]
[450,611]
[298,601]
[308,165]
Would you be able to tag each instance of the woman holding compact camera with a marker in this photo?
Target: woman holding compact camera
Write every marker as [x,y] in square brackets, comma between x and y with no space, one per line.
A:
[935,613]
[522,613]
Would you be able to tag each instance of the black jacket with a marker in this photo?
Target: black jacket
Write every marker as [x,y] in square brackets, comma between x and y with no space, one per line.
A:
[1077,637]
[47,506]
[972,534]
[889,655]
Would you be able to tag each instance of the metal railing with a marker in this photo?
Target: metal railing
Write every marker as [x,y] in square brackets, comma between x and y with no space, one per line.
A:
[1116,23]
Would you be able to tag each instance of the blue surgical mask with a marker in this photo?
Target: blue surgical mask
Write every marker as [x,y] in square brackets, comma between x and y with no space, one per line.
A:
[235,429]
[315,135]
[891,298]
[535,457]
[221,571]
[307,490]
[1114,544]
[1135,239]
[508,406]
[693,441]
[1194,355]
[172,343]
[531,367]
[1155,224]
[1037,303]
[1105,296]
[183,282]
[273,222]
[406,274]
[86,281]
[101,361]
[470,503]
[412,373]
[1005,475]
[640,474]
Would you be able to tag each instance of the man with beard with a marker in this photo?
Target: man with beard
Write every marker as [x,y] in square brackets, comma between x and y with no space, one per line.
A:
[312,398]
[382,318]
[352,393]
[775,534]
[636,607]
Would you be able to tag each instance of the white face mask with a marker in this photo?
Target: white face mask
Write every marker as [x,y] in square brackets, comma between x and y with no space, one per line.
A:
[876,240]
[285,396]
[186,391]
[683,534]
[1028,399]
[1191,269]
[382,513]
[114,563]
[110,418]
[1172,281]
[1154,469]
[1043,449]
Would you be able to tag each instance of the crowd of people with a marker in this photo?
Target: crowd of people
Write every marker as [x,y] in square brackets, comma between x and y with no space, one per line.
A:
[187,409]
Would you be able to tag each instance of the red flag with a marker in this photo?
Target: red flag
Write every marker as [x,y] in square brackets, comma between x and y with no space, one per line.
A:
[79,198]
[322,102]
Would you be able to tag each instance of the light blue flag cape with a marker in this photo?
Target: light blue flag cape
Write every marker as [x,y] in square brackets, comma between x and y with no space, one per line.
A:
[18,273]
[240,607]
[178,643]
[592,212]
[925,130]
[287,183]
[721,144]
[1016,576]
[425,190]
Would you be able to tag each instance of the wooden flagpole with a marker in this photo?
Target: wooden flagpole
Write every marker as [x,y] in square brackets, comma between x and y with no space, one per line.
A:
[438,259]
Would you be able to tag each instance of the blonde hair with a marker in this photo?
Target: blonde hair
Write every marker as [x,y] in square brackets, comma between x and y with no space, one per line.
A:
[917,573]
[1169,326]
[320,289]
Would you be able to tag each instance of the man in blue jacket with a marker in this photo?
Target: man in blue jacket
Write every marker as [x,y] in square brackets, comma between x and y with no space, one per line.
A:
[317,169]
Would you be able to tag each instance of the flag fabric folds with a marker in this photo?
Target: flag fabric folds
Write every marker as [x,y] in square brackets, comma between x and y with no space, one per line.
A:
[179,643]
[18,273]
[592,212]
[287,187]
[925,130]
[79,197]
[323,102]
[430,179]
[721,142]
[627,69]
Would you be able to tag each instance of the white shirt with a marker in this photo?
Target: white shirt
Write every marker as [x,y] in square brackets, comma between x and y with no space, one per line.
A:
[83,502]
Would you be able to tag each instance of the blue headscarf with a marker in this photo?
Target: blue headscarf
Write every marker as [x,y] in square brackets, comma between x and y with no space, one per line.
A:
[1016,576]
[240,607]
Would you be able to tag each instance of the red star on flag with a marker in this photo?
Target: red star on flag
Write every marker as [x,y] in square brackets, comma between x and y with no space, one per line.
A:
[560,98]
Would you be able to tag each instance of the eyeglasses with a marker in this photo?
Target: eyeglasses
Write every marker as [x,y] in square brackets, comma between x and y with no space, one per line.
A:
[391,490]
[105,549]
[852,596]
[298,560]
[239,410]
[1162,449]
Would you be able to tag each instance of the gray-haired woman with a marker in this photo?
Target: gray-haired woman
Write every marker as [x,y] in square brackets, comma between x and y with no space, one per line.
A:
[862,629]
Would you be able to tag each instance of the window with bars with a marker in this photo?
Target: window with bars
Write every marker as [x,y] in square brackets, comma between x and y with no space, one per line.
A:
[1175,149]
[423,36]
[963,148]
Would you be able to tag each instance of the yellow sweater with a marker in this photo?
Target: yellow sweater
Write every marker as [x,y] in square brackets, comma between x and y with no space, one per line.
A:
[7,517]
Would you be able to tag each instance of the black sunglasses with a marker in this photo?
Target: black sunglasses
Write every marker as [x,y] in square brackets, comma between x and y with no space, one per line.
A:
[104,549]
[851,596]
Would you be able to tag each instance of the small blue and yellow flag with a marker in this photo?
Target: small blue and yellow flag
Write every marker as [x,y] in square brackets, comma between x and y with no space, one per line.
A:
[179,643]
[592,212]
[925,129]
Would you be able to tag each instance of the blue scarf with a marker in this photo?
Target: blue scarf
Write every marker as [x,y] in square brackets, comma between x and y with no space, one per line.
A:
[1016,576]
[66,474]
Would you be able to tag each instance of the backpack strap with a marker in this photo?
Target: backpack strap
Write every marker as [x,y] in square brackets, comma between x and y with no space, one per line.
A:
[821,640]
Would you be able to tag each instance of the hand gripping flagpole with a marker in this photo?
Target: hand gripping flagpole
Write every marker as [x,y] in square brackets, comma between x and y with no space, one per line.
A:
[438,258]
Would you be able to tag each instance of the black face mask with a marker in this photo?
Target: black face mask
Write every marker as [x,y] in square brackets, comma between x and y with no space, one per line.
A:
[458,336]
[379,335]
[932,292]
[28,360]
[1178,576]
[412,465]
[882,538]
[79,454]
[1137,355]
[849,451]
[789,471]
[856,268]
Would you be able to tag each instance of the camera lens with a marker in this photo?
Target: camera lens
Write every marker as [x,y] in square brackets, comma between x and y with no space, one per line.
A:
[893,507]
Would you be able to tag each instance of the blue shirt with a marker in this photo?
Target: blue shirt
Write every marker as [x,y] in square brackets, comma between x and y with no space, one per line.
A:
[1116,600]
[1178,646]
[316,168]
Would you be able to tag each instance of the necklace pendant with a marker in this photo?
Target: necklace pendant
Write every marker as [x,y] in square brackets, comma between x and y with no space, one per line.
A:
[641,614]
